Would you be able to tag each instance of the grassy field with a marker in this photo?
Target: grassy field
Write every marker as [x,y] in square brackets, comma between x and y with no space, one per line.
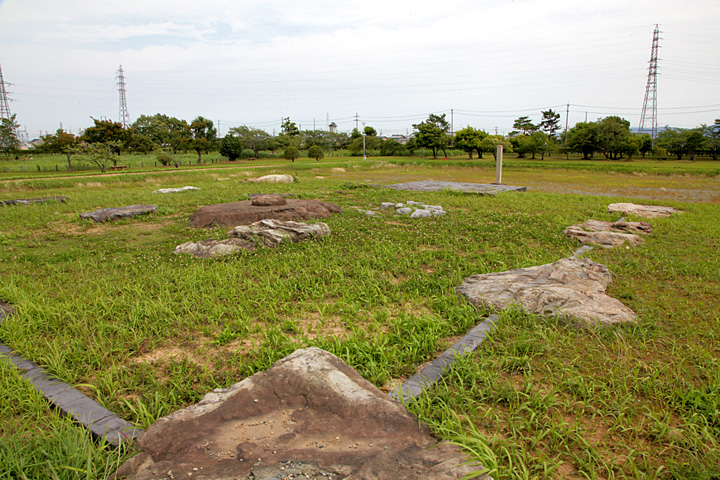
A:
[109,308]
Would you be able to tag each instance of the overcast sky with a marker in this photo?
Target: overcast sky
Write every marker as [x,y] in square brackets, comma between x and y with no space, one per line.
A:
[252,62]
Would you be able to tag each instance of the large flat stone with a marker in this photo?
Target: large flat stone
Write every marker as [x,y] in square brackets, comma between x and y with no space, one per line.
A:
[104,214]
[244,213]
[435,186]
[29,201]
[609,234]
[572,288]
[310,415]
[648,211]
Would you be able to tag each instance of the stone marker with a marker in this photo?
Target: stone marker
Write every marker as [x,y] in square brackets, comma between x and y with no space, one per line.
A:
[573,288]
[245,213]
[28,201]
[274,232]
[649,211]
[265,232]
[116,213]
[309,416]
[175,190]
[498,165]
[267,200]
[435,186]
[272,179]
[609,234]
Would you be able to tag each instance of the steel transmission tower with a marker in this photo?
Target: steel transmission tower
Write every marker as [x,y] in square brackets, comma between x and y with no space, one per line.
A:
[648,118]
[124,115]
[4,102]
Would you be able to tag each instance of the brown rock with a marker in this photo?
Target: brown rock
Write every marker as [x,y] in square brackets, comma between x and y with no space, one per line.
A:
[309,415]
[267,200]
[573,288]
[245,213]
[649,211]
[608,234]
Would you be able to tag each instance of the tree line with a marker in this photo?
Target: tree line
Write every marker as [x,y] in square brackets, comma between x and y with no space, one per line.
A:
[167,136]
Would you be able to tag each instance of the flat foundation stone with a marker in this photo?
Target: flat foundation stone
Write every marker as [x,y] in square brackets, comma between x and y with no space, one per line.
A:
[648,211]
[571,288]
[105,214]
[609,234]
[435,186]
[309,416]
[29,201]
[244,213]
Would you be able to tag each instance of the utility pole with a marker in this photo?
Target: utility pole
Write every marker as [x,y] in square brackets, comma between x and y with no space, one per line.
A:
[648,117]
[124,115]
[452,127]
[357,120]
[567,113]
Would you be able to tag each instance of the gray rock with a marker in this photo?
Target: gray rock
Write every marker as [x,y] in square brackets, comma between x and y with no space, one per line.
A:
[399,205]
[435,186]
[404,211]
[309,414]
[387,205]
[272,179]
[573,288]
[609,234]
[649,211]
[116,213]
[211,248]
[274,232]
[176,190]
[28,201]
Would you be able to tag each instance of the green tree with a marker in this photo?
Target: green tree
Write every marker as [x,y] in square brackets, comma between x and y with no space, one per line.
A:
[694,141]
[550,123]
[291,153]
[673,141]
[524,125]
[231,147]
[165,131]
[712,135]
[204,135]
[490,143]
[8,140]
[646,144]
[253,138]
[583,138]
[390,147]
[289,128]
[101,153]
[316,152]
[62,142]
[106,131]
[612,134]
[433,134]
[370,131]
[470,139]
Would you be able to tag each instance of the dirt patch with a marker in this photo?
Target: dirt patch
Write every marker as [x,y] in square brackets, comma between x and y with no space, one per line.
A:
[172,353]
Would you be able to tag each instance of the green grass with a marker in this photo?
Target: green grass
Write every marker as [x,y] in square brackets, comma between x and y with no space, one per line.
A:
[110,309]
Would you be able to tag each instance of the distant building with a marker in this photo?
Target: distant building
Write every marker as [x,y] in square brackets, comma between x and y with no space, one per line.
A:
[332,127]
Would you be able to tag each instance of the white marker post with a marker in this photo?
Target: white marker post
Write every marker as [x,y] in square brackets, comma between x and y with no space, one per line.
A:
[498,165]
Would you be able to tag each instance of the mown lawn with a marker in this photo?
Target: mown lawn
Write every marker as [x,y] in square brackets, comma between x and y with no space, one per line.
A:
[110,309]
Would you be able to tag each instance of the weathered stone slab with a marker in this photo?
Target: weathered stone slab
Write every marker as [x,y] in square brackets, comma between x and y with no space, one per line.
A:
[573,288]
[28,201]
[245,213]
[311,415]
[267,200]
[274,232]
[211,248]
[649,211]
[176,190]
[609,234]
[434,186]
[104,214]
[272,179]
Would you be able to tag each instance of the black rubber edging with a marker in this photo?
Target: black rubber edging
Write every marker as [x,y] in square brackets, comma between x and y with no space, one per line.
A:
[428,376]
[103,423]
